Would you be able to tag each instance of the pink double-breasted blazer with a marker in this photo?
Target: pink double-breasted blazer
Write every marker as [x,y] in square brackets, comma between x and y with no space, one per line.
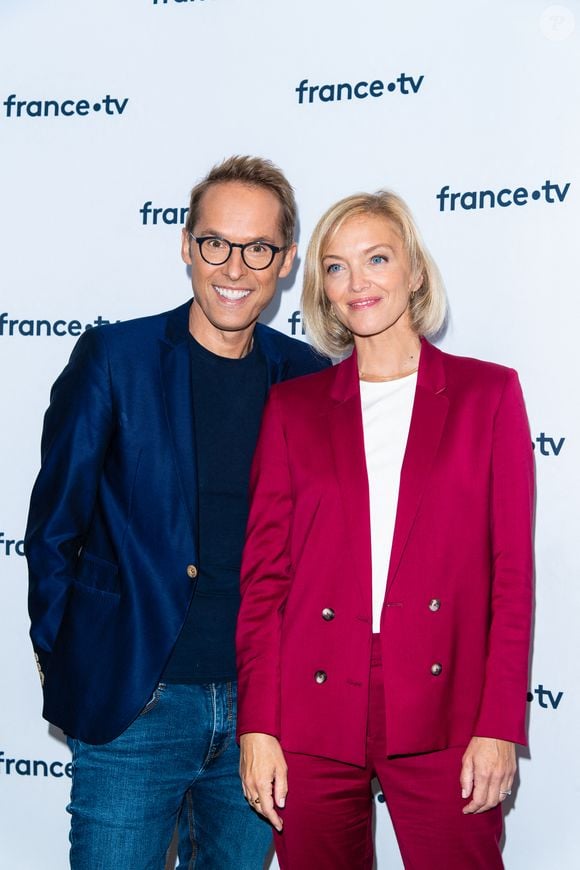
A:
[455,626]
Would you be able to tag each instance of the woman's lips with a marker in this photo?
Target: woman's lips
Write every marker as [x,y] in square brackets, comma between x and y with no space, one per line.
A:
[361,304]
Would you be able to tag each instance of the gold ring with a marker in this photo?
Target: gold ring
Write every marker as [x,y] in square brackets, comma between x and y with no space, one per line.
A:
[256,800]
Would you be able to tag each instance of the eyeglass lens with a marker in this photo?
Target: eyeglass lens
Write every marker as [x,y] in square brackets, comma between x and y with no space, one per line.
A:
[255,254]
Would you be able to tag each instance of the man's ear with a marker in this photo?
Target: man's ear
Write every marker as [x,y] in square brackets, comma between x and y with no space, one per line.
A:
[288,261]
[185,247]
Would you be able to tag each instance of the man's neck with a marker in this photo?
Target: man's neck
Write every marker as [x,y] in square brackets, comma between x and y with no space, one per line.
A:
[233,344]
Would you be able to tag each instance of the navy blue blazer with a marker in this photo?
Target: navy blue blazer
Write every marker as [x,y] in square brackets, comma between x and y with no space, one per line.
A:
[111,540]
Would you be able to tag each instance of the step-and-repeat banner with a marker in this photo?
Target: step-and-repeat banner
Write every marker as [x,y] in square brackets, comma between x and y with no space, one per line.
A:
[110,111]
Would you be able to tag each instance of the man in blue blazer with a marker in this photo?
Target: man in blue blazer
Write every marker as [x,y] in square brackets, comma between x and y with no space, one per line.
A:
[135,533]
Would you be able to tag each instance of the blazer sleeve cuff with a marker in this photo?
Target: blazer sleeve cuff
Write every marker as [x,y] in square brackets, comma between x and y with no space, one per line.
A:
[42,658]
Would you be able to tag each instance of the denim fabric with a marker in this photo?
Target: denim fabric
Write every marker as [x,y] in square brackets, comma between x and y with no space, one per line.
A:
[178,761]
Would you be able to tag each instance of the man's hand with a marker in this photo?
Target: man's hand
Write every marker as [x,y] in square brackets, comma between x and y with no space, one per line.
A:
[487,773]
[264,775]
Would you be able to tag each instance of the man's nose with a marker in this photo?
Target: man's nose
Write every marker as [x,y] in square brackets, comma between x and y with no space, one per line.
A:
[234,265]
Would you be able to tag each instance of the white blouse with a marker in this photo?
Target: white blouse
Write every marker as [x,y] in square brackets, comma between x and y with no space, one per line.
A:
[386,412]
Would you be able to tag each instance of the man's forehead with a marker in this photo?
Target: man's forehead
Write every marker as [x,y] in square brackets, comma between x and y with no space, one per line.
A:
[233,207]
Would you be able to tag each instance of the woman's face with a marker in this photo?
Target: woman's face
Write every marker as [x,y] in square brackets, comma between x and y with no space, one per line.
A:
[368,276]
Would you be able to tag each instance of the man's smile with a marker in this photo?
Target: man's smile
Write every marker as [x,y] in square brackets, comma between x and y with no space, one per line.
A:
[232,294]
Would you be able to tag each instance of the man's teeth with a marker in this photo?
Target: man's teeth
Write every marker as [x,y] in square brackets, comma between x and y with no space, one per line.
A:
[228,293]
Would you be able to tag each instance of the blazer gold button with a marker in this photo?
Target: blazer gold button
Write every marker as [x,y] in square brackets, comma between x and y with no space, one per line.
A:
[191,572]
[436,669]
[434,604]
[328,614]
[320,677]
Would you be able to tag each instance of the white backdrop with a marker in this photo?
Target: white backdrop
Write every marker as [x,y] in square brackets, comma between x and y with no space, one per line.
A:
[108,105]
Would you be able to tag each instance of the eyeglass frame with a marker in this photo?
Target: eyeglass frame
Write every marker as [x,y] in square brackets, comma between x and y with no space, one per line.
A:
[275,249]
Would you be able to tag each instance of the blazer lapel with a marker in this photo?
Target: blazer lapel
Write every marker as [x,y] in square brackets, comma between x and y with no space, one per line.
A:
[346,434]
[276,366]
[427,421]
[176,382]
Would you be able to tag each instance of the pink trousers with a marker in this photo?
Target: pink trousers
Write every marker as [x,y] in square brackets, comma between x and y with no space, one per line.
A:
[328,813]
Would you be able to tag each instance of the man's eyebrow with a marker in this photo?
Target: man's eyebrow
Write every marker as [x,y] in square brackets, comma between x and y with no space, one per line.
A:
[210,231]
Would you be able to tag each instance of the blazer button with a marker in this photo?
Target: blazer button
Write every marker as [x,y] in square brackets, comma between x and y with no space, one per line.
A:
[434,604]
[191,572]
[320,677]
[436,669]
[328,614]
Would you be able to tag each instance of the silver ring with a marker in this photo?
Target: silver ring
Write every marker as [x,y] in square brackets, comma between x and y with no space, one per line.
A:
[506,792]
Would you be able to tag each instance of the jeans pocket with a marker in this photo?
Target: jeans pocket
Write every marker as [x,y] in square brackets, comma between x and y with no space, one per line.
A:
[153,700]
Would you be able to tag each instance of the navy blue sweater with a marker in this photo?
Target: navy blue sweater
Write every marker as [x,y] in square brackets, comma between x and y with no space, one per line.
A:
[228,400]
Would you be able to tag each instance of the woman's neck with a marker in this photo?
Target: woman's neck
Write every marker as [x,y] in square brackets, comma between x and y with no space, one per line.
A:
[384,357]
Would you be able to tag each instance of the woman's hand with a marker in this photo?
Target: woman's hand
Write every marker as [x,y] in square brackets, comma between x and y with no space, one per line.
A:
[264,775]
[487,773]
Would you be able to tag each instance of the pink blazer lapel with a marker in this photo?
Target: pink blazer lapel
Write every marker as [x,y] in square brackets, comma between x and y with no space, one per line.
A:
[346,436]
[427,421]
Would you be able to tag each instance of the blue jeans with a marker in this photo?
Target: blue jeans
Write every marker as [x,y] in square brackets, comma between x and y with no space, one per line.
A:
[177,762]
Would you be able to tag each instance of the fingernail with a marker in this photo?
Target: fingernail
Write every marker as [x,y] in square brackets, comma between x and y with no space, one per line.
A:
[463,793]
[282,802]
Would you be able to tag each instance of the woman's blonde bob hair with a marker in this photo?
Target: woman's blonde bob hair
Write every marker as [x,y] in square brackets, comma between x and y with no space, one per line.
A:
[428,305]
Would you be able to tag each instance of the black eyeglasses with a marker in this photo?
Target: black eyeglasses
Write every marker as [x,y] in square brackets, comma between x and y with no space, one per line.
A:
[256,255]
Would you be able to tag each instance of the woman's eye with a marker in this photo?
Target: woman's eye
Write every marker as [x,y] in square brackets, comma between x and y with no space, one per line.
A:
[333,268]
[378,258]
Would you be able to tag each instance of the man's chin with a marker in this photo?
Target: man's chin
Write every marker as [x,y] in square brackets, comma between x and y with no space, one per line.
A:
[240,326]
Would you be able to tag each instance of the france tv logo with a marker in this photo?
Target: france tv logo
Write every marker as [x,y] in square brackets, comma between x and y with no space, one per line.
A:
[547,699]
[549,192]
[11,546]
[548,445]
[15,108]
[337,91]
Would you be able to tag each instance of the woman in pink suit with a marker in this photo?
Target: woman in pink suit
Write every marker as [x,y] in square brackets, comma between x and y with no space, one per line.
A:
[387,576]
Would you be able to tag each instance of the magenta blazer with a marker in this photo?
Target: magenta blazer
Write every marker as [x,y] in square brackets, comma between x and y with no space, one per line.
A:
[455,626]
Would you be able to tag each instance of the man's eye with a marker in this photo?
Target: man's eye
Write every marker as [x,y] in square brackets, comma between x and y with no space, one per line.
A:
[257,248]
[218,244]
